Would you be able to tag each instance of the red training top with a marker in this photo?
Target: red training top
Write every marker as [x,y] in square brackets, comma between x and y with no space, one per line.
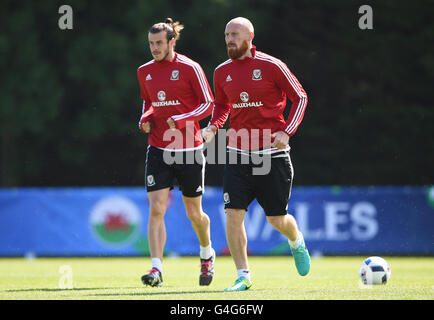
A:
[176,89]
[254,91]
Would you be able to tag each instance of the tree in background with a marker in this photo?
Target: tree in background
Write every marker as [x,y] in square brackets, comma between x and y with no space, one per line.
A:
[70,100]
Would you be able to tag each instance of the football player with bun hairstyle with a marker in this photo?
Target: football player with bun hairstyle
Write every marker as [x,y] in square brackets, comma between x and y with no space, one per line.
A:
[172,31]
[176,95]
[253,87]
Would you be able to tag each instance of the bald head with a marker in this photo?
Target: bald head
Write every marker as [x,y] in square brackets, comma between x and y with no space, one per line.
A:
[238,36]
[243,23]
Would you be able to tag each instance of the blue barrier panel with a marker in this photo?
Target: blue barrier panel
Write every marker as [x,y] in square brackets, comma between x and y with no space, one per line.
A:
[113,221]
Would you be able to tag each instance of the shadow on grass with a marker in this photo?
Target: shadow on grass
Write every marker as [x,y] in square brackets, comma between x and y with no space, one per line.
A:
[144,294]
[59,290]
[114,294]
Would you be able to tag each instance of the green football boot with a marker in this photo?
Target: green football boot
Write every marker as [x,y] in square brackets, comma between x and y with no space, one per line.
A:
[301,258]
[241,284]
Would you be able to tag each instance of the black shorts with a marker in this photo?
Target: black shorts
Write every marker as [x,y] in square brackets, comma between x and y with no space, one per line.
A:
[163,167]
[272,190]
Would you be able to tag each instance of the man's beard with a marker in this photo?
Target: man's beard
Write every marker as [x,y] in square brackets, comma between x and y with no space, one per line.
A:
[165,55]
[235,53]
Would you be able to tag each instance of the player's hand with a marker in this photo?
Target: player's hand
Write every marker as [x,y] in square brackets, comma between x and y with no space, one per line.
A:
[209,132]
[171,123]
[281,139]
[145,125]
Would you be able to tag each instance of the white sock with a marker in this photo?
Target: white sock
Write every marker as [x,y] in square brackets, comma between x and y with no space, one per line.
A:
[206,252]
[294,244]
[244,273]
[157,263]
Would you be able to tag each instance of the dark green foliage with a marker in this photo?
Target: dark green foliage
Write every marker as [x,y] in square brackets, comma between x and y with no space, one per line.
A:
[70,102]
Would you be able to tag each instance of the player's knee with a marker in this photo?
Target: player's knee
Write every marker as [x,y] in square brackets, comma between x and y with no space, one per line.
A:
[195,214]
[276,222]
[193,208]
[157,208]
[235,219]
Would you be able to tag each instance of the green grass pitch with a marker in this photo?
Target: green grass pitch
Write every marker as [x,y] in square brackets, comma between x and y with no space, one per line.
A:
[273,278]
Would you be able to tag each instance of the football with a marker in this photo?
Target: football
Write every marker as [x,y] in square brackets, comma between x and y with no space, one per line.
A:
[374,270]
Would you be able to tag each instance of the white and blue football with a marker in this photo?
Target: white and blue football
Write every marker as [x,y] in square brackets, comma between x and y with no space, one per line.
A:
[374,270]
